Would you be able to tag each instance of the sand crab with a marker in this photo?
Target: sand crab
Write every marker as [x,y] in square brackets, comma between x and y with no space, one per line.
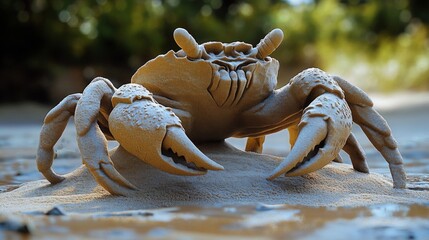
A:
[211,92]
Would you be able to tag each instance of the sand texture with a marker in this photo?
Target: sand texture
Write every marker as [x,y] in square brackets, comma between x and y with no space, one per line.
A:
[242,182]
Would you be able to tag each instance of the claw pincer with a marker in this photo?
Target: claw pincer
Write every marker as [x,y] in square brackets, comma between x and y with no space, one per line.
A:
[323,131]
[154,134]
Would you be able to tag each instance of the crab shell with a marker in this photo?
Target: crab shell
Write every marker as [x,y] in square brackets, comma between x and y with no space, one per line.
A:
[185,88]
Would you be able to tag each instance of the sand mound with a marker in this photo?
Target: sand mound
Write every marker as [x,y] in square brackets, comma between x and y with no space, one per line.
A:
[242,182]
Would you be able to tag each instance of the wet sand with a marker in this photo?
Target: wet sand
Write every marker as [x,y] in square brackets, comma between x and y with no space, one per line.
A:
[386,221]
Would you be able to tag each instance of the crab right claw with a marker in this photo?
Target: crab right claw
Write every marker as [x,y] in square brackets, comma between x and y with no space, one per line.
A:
[153,133]
[323,131]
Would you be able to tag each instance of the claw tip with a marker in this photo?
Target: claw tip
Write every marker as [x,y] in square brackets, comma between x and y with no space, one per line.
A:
[273,176]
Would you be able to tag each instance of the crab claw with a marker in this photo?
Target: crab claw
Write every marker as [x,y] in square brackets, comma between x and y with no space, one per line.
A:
[184,156]
[323,131]
[153,133]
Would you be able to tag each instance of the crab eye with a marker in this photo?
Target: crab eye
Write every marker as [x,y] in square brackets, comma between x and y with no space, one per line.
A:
[269,43]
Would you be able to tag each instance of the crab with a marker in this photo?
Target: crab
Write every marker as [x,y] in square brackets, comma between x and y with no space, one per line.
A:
[209,92]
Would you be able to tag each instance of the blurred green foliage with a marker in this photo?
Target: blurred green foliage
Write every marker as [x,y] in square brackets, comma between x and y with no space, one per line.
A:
[52,48]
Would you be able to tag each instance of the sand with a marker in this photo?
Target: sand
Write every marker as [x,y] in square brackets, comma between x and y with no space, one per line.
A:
[242,182]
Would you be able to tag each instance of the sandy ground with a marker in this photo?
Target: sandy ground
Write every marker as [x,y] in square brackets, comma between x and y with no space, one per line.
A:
[242,182]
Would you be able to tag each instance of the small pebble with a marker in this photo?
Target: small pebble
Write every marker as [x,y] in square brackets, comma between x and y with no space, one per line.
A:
[14,226]
[56,211]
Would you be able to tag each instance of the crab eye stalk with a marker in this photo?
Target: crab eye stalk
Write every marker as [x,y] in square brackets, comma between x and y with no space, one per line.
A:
[187,43]
[270,42]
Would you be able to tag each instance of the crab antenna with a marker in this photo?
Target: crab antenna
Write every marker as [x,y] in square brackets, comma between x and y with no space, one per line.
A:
[187,43]
[270,42]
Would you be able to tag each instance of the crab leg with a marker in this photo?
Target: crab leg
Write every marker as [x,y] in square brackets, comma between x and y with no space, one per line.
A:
[53,127]
[95,156]
[375,128]
[356,153]
[255,144]
[91,140]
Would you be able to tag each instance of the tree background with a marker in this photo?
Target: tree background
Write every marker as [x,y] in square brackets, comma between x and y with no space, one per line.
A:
[52,48]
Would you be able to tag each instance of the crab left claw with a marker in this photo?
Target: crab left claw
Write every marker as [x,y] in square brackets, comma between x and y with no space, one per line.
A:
[323,131]
[154,134]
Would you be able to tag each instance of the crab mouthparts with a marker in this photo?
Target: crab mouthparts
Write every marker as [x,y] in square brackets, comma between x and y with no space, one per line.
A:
[230,81]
